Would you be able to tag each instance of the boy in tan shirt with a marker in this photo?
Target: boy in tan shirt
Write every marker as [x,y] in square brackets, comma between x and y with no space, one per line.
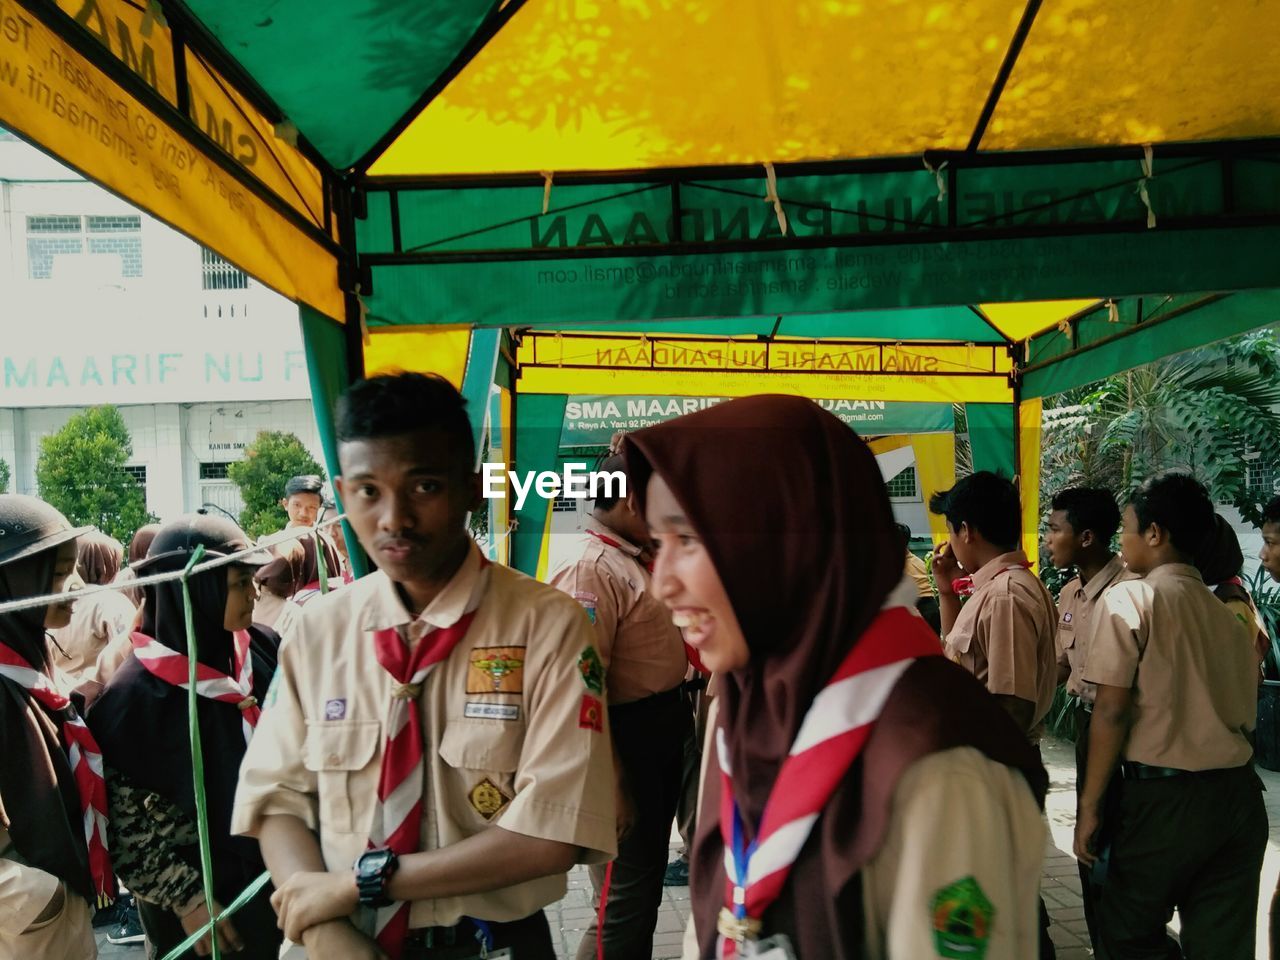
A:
[433,724]
[1176,701]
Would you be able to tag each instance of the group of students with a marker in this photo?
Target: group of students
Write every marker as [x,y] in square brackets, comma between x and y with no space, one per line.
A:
[1161,647]
[433,746]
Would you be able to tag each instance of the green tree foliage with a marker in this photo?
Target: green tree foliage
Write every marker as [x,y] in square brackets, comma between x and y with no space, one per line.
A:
[4,476]
[269,462]
[1200,411]
[80,471]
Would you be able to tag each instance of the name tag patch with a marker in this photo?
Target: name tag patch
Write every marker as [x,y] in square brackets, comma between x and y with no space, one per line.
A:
[476,710]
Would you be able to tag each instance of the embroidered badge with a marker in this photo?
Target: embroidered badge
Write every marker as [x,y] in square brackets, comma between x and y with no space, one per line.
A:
[477,710]
[487,799]
[591,714]
[591,669]
[962,919]
[335,709]
[1066,617]
[588,601]
[496,670]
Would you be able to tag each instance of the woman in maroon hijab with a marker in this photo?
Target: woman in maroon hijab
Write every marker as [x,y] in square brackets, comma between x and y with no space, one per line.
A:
[864,797]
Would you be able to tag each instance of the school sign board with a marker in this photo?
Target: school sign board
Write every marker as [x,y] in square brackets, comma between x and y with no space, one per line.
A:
[590,421]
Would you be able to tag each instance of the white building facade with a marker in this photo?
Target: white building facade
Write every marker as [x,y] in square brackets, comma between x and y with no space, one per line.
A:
[101,303]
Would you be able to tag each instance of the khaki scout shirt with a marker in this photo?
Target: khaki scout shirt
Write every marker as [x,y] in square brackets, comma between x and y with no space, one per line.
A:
[1075,612]
[24,890]
[1191,666]
[919,574]
[513,735]
[1004,634]
[950,811]
[642,650]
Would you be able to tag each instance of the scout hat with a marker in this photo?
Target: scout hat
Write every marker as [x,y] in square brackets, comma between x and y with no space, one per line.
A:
[28,525]
[220,537]
[307,483]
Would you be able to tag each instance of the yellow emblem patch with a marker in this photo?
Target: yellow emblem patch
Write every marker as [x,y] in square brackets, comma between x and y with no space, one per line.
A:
[487,798]
[496,670]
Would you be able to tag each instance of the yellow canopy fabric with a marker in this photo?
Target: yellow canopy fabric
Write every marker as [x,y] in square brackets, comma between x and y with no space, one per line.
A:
[620,84]
[1018,321]
[1097,72]
[418,349]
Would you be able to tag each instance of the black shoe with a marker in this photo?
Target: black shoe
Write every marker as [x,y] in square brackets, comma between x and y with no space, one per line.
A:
[677,874]
[130,929]
[113,915]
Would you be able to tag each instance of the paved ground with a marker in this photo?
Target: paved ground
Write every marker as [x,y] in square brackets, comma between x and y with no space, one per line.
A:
[1060,886]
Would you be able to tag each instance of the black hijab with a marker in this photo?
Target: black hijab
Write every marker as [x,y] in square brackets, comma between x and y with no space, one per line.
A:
[141,722]
[39,798]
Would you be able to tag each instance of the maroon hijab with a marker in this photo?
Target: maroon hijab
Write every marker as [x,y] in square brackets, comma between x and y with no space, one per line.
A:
[792,509]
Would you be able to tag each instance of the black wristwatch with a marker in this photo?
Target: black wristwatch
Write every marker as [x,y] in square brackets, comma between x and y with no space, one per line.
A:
[374,869]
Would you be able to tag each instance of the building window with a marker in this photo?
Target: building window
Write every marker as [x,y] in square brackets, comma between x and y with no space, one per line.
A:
[139,474]
[564,504]
[214,471]
[903,486]
[49,237]
[218,274]
[1260,477]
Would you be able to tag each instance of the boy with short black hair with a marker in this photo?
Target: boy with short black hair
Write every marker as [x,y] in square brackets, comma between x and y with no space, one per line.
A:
[1004,632]
[1176,700]
[1269,555]
[439,723]
[303,498]
[1078,535]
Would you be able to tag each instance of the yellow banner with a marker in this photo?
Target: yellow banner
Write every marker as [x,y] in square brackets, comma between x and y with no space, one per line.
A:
[144,44]
[54,97]
[719,383]
[752,356]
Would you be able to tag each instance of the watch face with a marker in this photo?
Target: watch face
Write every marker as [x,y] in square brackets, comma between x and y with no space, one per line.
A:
[374,862]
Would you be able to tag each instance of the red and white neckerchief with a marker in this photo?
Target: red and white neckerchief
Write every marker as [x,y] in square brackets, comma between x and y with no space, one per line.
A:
[963,586]
[606,540]
[173,668]
[397,818]
[86,765]
[835,729]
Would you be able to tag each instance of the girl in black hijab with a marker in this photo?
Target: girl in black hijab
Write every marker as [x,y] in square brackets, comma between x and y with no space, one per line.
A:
[141,720]
[865,799]
[51,869]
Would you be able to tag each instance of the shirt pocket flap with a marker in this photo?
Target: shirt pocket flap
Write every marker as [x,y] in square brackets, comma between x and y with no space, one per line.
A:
[959,641]
[340,744]
[473,744]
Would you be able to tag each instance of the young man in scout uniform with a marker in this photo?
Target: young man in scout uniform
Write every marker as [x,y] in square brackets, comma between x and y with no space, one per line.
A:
[1078,535]
[302,500]
[434,754]
[644,664]
[1177,689]
[1270,553]
[1004,632]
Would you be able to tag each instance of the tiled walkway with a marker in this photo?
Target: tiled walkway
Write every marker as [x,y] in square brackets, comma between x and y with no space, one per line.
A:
[1060,886]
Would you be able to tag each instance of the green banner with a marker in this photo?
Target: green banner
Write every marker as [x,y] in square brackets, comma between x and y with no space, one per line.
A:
[589,421]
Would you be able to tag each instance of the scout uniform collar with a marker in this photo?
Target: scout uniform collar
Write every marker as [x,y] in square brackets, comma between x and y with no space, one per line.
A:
[1174,570]
[1001,564]
[606,534]
[384,610]
[1103,578]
